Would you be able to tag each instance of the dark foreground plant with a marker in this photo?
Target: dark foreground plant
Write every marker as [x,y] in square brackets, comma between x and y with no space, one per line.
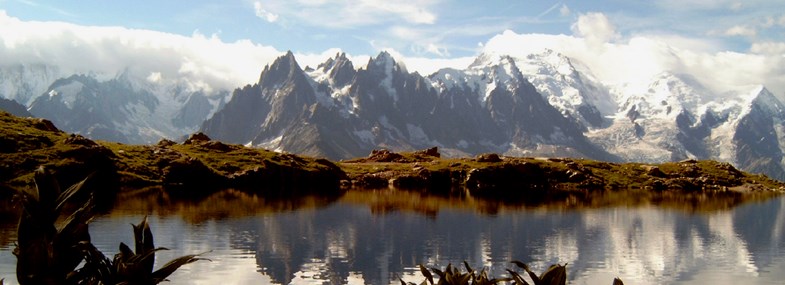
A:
[46,248]
[51,245]
[554,275]
[130,267]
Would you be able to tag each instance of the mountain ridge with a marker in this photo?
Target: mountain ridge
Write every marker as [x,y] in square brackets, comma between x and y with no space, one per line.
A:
[493,106]
[541,104]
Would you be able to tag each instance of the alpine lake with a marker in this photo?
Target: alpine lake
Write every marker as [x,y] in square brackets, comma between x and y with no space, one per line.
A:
[381,236]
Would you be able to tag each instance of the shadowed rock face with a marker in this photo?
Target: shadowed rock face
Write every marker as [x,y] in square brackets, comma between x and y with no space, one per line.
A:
[337,112]
[14,108]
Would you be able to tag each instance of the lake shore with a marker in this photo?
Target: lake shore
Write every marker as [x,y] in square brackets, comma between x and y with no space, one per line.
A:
[199,167]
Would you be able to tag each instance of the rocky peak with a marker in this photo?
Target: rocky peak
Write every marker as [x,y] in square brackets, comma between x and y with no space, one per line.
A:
[339,70]
[284,68]
[764,99]
[385,61]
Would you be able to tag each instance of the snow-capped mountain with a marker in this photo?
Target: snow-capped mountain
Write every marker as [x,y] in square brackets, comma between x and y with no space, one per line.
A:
[122,108]
[573,93]
[339,112]
[542,104]
[23,83]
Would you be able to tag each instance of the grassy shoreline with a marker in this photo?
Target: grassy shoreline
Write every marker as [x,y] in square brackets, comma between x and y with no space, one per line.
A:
[200,167]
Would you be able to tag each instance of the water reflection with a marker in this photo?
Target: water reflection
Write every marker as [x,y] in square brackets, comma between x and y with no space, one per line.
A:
[370,240]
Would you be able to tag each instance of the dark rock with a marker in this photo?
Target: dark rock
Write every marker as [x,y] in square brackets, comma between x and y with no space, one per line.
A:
[165,143]
[197,138]
[507,181]
[384,155]
[410,182]
[45,125]
[190,171]
[488,157]
[434,152]
[654,171]
[273,179]
[684,184]
[730,169]
[575,176]
[75,139]
[8,145]
[217,146]
[371,182]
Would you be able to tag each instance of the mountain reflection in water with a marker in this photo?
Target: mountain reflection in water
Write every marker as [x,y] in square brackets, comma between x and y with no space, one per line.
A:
[375,238]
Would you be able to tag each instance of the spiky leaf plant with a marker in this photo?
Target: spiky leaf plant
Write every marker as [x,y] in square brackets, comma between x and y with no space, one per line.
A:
[50,245]
[555,275]
[46,247]
[136,267]
[453,276]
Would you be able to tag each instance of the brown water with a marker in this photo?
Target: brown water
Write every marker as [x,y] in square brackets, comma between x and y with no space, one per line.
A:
[368,239]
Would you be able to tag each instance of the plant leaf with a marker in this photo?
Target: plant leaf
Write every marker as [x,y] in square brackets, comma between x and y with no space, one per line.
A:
[170,267]
[143,239]
[468,268]
[426,273]
[517,277]
[66,196]
[525,267]
[47,189]
[555,275]
[520,264]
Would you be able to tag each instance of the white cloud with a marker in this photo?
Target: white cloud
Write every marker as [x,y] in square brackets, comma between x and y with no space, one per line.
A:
[682,5]
[771,48]
[314,59]
[352,13]
[640,58]
[740,31]
[198,61]
[426,66]
[564,10]
[264,14]
[595,28]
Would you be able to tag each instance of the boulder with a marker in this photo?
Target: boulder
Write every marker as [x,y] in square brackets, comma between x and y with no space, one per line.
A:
[45,125]
[75,139]
[434,152]
[165,143]
[197,138]
[384,155]
[488,157]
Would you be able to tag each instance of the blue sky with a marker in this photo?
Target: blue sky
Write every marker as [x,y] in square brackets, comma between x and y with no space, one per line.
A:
[428,28]
[726,44]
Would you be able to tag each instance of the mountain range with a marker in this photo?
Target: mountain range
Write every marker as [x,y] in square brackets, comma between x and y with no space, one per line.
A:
[543,104]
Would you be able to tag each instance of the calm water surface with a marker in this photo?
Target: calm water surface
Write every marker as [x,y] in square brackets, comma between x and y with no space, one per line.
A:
[353,242]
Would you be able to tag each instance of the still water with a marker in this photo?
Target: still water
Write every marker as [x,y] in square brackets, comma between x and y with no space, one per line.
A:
[360,240]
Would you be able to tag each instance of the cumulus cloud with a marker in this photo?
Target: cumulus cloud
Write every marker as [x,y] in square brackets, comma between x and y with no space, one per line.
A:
[771,48]
[264,14]
[595,28]
[198,61]
[640,58]
[740,31]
